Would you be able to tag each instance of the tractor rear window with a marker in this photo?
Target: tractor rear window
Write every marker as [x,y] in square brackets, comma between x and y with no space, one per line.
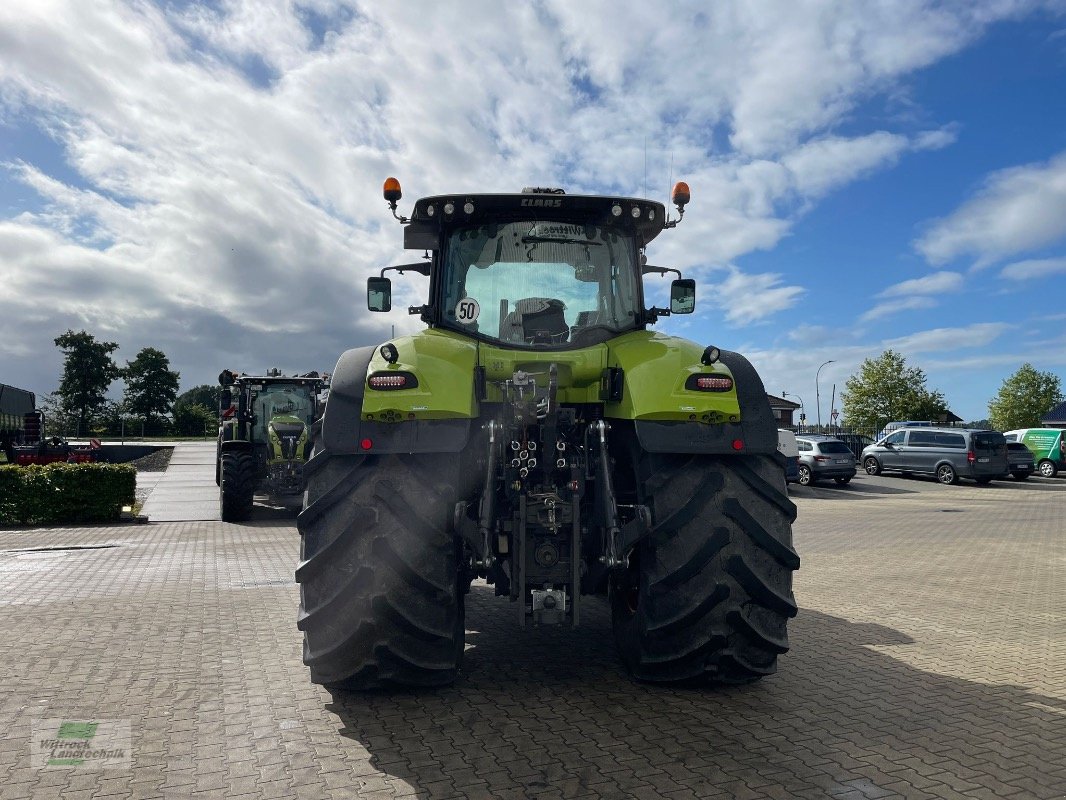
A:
[541,282]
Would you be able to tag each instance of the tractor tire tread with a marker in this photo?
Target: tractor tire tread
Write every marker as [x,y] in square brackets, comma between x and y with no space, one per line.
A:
[237,487]
[715,590]
[380,602]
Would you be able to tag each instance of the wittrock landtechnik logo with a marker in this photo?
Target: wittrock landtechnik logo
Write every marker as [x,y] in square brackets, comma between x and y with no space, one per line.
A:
[88,744]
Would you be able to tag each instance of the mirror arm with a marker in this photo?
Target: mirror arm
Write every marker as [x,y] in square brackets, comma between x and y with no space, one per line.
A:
[421,269]
[648,269]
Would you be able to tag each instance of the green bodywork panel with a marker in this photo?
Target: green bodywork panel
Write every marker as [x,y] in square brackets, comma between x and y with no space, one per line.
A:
[655,368]
[275,452]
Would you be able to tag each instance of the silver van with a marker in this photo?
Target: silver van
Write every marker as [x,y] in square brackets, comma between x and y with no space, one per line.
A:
[947,453]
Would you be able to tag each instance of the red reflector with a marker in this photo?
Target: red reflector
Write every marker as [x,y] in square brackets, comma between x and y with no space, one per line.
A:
[366,444]
[738,444]
[390,381]
[714,383]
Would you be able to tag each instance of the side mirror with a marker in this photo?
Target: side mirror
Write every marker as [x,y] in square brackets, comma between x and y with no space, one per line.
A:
[683,296]
[379,294]
[225,399]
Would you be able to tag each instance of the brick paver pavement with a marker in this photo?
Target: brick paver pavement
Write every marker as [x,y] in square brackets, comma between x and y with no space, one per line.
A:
[928,660]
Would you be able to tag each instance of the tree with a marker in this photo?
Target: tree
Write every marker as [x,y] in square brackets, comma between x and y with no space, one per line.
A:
[1023,398]
[151,385]
[57,421]
[886,389]
[194,419]
[204,395]
[88,371]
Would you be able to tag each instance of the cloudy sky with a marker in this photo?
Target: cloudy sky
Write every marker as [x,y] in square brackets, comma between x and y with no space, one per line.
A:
[205,177]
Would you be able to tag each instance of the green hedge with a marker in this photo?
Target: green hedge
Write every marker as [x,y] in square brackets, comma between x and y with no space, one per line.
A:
[62,493]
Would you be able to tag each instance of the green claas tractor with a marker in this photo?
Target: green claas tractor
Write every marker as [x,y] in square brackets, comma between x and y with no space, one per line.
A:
[539,436]
[264,439]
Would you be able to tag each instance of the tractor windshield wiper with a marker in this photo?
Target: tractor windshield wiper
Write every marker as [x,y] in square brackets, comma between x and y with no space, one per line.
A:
[557,240]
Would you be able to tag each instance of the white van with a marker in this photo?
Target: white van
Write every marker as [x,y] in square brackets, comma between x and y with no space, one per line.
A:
[786,446]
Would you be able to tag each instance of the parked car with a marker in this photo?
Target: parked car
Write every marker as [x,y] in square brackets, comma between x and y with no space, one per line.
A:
[855,441]
[822,457]
[786,445]
[1020,461]
[1048,446]
[903,423]
[947,453]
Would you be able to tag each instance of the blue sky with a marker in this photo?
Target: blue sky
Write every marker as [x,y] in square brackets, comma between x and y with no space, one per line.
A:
[205,177]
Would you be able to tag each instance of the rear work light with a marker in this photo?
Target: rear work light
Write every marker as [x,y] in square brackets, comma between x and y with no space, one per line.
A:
[388,381]
[709,383]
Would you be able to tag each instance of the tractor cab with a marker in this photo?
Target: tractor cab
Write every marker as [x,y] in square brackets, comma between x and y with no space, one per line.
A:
[537,270]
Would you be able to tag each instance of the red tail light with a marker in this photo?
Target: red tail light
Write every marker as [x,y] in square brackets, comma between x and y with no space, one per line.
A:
[970,457]
[709,383]
[821,458]
[384,381]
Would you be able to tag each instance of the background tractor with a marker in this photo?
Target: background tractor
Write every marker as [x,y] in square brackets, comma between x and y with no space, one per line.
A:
[264,438]
[540,437]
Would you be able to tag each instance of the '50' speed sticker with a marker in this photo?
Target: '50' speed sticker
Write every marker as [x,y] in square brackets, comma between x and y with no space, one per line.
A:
[467,311]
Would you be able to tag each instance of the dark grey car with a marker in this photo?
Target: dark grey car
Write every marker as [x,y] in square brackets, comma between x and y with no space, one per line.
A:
[822,457]
[1020,461]
[947,453]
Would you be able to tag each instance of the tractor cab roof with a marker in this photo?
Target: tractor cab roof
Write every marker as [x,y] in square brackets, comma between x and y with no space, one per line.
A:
[439,213]
[311,379]
[276,381]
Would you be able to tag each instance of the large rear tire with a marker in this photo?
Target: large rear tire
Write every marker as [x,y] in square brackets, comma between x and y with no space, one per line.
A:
[709,592]
[380,598]
[236,492]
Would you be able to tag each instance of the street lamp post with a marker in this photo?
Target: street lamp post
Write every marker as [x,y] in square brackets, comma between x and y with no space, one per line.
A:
[803,407]
[818,394]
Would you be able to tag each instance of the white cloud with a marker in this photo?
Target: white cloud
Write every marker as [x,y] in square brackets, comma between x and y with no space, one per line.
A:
[978,334]
[1034,268]
[827,163]
[748,298]
[913,295]
[1017,210]
[895,306]
[930,284]
[221,191]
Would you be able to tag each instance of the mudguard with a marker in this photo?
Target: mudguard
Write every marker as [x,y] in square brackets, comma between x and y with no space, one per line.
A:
[227,443]
[344,431]
[757,429]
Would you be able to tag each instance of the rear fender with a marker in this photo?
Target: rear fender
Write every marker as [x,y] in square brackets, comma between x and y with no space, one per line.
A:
[345,431]
[755,433]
